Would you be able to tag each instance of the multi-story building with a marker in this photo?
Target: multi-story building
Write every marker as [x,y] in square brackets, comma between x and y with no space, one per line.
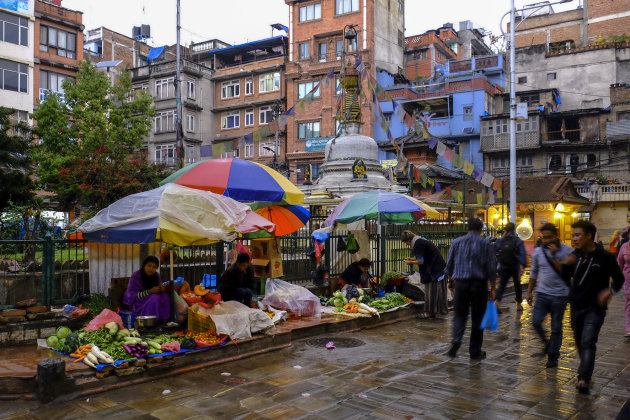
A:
[60,34]
[198,126]
[249,94]
[592,20]
[322,34]
[16,57]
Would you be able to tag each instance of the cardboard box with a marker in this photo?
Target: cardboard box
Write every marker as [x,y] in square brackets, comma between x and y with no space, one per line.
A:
[266,258]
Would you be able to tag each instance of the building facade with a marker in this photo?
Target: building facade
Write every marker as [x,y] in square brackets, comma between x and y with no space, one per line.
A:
[60,35]
[17,39]
[198,125]
[322,35]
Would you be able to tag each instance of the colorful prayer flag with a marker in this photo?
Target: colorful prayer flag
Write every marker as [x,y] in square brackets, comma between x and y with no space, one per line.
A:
[438,187]
[290,111]
[479,198]
[496,185]
[487,179]
[256,135]
[449,154]
[440,148]
[477,173]
[248,138]
[423,180]
[432,142]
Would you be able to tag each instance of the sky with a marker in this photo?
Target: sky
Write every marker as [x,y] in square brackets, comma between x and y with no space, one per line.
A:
[239,21]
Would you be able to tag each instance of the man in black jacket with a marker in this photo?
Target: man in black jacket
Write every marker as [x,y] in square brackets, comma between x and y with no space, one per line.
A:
[237,282]
[589,269]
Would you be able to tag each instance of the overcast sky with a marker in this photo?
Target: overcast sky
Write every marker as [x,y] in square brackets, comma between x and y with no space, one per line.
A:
[238,21]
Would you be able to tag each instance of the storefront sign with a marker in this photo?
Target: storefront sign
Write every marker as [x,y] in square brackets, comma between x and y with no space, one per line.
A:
[316,144]
[388,163]
[15,5]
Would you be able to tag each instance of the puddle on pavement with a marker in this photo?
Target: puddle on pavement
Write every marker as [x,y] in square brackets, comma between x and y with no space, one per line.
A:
[340,342]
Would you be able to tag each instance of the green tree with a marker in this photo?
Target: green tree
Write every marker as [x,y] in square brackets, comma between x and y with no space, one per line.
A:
[91,141]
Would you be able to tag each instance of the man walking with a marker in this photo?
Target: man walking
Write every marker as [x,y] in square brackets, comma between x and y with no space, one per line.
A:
[512,260]
[551,290]
[589,269]
[471,264]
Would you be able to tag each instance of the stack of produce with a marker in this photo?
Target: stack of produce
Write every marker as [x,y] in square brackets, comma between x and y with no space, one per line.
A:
[352,306]
[389,301]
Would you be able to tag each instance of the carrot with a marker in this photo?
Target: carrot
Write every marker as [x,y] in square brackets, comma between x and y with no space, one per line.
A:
[79,359]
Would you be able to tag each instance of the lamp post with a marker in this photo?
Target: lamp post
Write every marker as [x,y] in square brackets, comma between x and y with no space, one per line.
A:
[513,25]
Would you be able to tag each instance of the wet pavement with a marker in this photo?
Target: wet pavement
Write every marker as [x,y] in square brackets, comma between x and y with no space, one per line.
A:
[398,371]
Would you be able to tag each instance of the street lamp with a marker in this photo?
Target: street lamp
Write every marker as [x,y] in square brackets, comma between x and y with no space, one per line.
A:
[275,156]
[512,14]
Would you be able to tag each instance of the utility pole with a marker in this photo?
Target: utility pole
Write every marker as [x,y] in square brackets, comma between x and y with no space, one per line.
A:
[179,145]
[512,118]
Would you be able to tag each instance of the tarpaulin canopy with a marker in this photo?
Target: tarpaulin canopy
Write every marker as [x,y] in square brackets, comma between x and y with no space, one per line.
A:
[155,53]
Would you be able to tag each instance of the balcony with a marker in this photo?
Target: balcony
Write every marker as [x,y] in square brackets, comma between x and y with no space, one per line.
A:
[605,193]
[571,136]
[501,142]
[45,92]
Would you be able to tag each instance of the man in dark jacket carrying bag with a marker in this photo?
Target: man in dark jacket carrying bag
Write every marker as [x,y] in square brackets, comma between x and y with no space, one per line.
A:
[511,261]
[589,269]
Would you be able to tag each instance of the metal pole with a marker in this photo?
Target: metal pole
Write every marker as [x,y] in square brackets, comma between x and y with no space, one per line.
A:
[512,118]
[178,99]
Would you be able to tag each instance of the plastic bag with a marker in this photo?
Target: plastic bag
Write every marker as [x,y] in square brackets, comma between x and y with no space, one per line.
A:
[490,319]
[235,319]
[291,297]
[341,245]
[242,249]
[106,316]
[319,247]
[352,244]
[181,308]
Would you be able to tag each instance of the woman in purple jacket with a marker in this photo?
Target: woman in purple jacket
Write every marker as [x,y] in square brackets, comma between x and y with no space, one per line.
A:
[146,295]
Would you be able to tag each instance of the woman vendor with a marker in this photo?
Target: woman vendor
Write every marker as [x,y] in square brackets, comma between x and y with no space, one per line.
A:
[146,295]
[237,282]
[431,267]
[357,273]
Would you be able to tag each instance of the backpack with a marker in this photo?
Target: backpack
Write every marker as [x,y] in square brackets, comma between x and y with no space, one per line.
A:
[352,246]
[507,254]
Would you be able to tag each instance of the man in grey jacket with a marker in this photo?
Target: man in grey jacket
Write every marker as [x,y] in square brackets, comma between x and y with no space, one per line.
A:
[551,290]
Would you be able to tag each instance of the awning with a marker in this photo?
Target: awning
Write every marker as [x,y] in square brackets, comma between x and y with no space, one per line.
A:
[155,53]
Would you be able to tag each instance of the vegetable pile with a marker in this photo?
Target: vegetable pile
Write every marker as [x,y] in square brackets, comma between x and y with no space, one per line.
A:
[389,301]
[385,278]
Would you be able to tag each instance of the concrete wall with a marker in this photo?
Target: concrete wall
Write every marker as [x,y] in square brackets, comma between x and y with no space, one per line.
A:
[388,21]
[609,217]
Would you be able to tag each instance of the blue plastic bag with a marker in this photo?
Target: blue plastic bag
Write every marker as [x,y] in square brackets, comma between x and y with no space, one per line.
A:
[491,317]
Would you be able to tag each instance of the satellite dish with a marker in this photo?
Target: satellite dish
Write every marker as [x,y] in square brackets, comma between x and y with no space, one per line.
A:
[524,230]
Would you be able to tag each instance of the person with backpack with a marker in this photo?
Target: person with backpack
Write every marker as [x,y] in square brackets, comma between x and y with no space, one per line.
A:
[511,261]
[551,290]
[623,259]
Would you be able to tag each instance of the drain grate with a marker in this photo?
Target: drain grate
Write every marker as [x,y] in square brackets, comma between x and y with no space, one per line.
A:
[340,342]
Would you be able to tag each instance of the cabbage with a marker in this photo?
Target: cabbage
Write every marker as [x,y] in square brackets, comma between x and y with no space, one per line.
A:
[62,332]
[52,341]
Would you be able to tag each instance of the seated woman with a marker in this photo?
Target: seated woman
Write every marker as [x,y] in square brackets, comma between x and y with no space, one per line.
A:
[145,293]
[237,282]
[357,273]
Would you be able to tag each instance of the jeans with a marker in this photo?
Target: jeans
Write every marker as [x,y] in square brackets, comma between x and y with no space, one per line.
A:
[555,305]
[586,324]
[244,295]
[505,272]
[473,294]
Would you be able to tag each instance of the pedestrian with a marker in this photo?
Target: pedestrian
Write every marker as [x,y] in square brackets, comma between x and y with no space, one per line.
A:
[589,269]
[623,259]
[431,266]
[470,266]
[551,290]
[613,245]
[511,262]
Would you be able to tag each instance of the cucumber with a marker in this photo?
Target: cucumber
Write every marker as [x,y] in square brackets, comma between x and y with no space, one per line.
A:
[154,345]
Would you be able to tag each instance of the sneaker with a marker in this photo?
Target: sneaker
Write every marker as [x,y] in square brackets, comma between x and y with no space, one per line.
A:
[582,387]
[519,307]
[479,356]
[452,352]
[551,363]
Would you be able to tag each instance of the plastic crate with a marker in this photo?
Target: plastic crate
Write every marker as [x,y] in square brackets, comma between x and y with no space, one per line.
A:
[128,319]
[198,322]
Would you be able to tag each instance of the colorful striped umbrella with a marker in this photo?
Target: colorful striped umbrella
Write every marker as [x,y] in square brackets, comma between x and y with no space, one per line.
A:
[387,206]
[287,218]
[242,180]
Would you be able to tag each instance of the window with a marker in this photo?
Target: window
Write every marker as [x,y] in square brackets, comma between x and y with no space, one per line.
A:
[164,121]
[401,38]
[322,51]
[164,88]
[420,55]
[249,86]
[13,76]
[13,29]
[64,42]
[190,123]
[401,6]
[190,89]
[230,119]
[551,76]
[266,149]
[573,162]
[165,153]
[532,100]
[233,154]
[249,150]
[249,117]
[522,80]
[304,52]
[591,160]
[305,88]
[308,130]
[388,117]
[623,116]
[265,115]
[310,12]
[269,82]
[555,163]
[337,86]
[346,6]
[231,89]
[468,112]
[525,160]
[50,81]
[339,48]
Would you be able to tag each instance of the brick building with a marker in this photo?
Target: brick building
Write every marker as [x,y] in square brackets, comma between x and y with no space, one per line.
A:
[60,34]
[317,46]
[249,93]
[596,19]
[16,57]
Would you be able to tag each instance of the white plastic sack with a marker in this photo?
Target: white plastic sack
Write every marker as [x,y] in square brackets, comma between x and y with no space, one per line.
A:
[286,296]
[237,320]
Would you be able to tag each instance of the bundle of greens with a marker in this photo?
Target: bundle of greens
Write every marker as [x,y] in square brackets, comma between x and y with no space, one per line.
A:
[385,278]
[389,301]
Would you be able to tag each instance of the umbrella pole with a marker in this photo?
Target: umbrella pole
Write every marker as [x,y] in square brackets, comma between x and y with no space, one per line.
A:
[171,258]
[172,298]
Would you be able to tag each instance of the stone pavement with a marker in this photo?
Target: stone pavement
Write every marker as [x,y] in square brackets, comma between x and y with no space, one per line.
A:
[398,371]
